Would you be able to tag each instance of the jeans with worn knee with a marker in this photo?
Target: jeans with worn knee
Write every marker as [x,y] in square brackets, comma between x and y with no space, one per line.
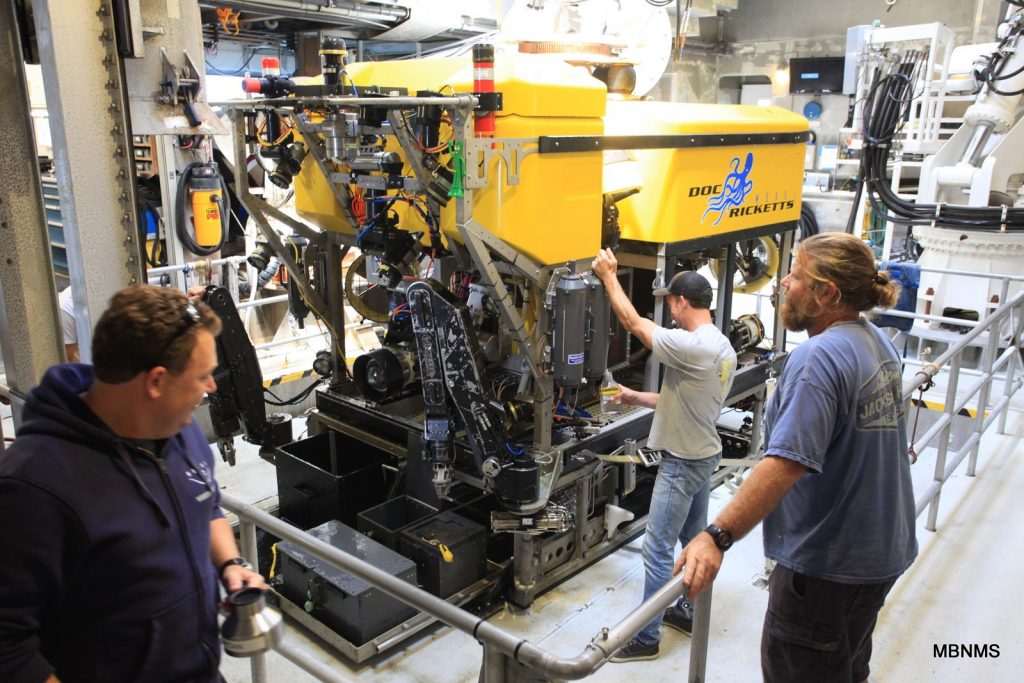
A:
[679,511]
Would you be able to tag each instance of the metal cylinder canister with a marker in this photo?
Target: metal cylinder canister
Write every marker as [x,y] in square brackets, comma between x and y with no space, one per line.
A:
[568,350]
[598,326]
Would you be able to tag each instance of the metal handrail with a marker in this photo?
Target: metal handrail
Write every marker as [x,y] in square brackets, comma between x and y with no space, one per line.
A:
[955,401]
[499,645]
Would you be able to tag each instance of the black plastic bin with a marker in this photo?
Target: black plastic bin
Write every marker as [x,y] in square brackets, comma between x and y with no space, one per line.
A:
[328,476]
[384,522]
[348,605]
[467,542]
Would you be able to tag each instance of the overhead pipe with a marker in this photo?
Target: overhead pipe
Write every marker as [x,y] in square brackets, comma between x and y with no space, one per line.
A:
[338,12]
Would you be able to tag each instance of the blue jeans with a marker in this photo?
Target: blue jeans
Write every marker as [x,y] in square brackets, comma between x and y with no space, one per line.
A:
[679,511]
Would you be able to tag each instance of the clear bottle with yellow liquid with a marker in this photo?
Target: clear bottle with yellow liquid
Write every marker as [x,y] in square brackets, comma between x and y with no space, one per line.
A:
[610,391]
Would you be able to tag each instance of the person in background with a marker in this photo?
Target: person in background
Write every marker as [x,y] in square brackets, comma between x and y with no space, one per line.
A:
[699,366]
[113,537]
[68,326]
[834,486]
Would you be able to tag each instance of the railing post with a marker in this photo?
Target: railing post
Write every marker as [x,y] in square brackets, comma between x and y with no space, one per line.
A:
[1011,365]
[247,546]
[700,636]
[940,458]
[979,419]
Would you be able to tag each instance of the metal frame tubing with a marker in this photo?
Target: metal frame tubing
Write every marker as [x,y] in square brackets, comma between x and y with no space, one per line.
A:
[504,653]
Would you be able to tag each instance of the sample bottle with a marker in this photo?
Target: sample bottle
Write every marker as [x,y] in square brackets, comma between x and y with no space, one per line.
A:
[609,391]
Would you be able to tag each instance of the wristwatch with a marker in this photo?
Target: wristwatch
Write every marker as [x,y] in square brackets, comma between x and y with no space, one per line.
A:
[235,560]
[721,537]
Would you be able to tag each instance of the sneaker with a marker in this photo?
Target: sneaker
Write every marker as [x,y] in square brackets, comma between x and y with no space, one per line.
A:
[678,619]
[635,651]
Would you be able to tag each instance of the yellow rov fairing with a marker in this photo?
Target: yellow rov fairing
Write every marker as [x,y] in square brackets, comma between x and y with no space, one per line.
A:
[707,169]
[738,168]
[554,213]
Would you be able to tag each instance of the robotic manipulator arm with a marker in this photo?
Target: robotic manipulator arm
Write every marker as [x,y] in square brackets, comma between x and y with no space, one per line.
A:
[454,396]
[237,406]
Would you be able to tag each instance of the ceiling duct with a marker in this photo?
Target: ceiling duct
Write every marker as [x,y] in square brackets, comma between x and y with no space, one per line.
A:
[324,12]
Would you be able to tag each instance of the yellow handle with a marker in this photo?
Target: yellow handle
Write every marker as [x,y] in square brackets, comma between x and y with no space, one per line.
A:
[446,554]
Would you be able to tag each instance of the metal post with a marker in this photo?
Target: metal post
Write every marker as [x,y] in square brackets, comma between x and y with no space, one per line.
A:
[247,547]
[30,342]
[991,348]
[723,313]
[778,330]
[92,153]
[700,636]
[524,570]
[1011,366]
[167,162]
[940,459]
[335,297]
[492,668]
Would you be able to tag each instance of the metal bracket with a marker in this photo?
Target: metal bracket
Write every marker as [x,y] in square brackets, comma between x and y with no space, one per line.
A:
[644,456]
[476,241]
[480,152]
[181,85]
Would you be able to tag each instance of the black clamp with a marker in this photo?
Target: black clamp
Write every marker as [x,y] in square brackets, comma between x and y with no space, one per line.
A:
[488,102]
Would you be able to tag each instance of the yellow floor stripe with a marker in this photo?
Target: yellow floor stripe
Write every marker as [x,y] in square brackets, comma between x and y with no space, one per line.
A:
[941,407]
[290,377]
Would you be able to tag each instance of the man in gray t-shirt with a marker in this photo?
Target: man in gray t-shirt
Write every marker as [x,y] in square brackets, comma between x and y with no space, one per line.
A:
[834,487]
[699,365]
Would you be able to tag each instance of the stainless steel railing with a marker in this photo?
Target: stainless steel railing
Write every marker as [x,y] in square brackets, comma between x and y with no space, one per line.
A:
[501,650]
[992,362]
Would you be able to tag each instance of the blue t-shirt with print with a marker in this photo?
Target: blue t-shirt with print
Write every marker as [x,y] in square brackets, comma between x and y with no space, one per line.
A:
[838,410]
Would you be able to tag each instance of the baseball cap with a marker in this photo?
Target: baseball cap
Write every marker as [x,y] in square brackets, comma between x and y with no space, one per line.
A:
[690,285]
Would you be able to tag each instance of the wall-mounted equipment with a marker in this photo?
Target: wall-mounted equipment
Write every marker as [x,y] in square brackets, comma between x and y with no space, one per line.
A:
[816,74]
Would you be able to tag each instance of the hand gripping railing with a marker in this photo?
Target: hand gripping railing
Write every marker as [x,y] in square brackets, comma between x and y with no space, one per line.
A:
[506,656]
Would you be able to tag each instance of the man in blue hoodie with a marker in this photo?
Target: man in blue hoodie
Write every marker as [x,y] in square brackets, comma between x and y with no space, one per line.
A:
[113,537]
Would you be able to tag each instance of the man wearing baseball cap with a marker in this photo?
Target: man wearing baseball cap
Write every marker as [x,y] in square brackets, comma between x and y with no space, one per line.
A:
[699,365]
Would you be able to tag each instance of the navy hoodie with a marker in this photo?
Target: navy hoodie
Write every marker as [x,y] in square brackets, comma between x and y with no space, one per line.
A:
[106,573]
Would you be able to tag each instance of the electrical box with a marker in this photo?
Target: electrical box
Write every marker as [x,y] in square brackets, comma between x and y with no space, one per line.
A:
[440,573]
[348,605]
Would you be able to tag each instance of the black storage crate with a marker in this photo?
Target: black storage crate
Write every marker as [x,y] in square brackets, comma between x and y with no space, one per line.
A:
[384,522]
[328,476]
[467,542]
[349,606]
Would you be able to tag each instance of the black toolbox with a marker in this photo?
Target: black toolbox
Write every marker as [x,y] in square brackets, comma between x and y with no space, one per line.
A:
[348,605]
[384,522]
[328,476]
[466,542]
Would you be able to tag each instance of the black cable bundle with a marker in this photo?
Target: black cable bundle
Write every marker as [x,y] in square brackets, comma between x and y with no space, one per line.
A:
[886,107]
[808,222]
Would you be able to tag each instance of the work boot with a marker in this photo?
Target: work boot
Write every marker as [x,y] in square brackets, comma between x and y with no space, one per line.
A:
[635,651]
[679,617]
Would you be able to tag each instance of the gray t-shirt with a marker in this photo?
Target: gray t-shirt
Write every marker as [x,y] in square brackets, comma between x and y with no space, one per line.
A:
[699,367]
[838,411]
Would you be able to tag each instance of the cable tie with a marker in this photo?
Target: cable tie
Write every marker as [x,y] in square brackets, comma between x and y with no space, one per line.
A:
[1002,221]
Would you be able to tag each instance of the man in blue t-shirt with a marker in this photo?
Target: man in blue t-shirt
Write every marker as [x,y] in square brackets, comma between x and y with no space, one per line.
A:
[834,488]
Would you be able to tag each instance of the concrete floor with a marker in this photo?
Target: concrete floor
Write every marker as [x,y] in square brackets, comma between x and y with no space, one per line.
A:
[962,589]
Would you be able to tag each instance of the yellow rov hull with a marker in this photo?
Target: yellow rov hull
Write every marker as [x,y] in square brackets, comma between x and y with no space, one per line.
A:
[554,214]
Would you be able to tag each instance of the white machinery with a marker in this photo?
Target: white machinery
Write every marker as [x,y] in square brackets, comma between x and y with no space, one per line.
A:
[969,212]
